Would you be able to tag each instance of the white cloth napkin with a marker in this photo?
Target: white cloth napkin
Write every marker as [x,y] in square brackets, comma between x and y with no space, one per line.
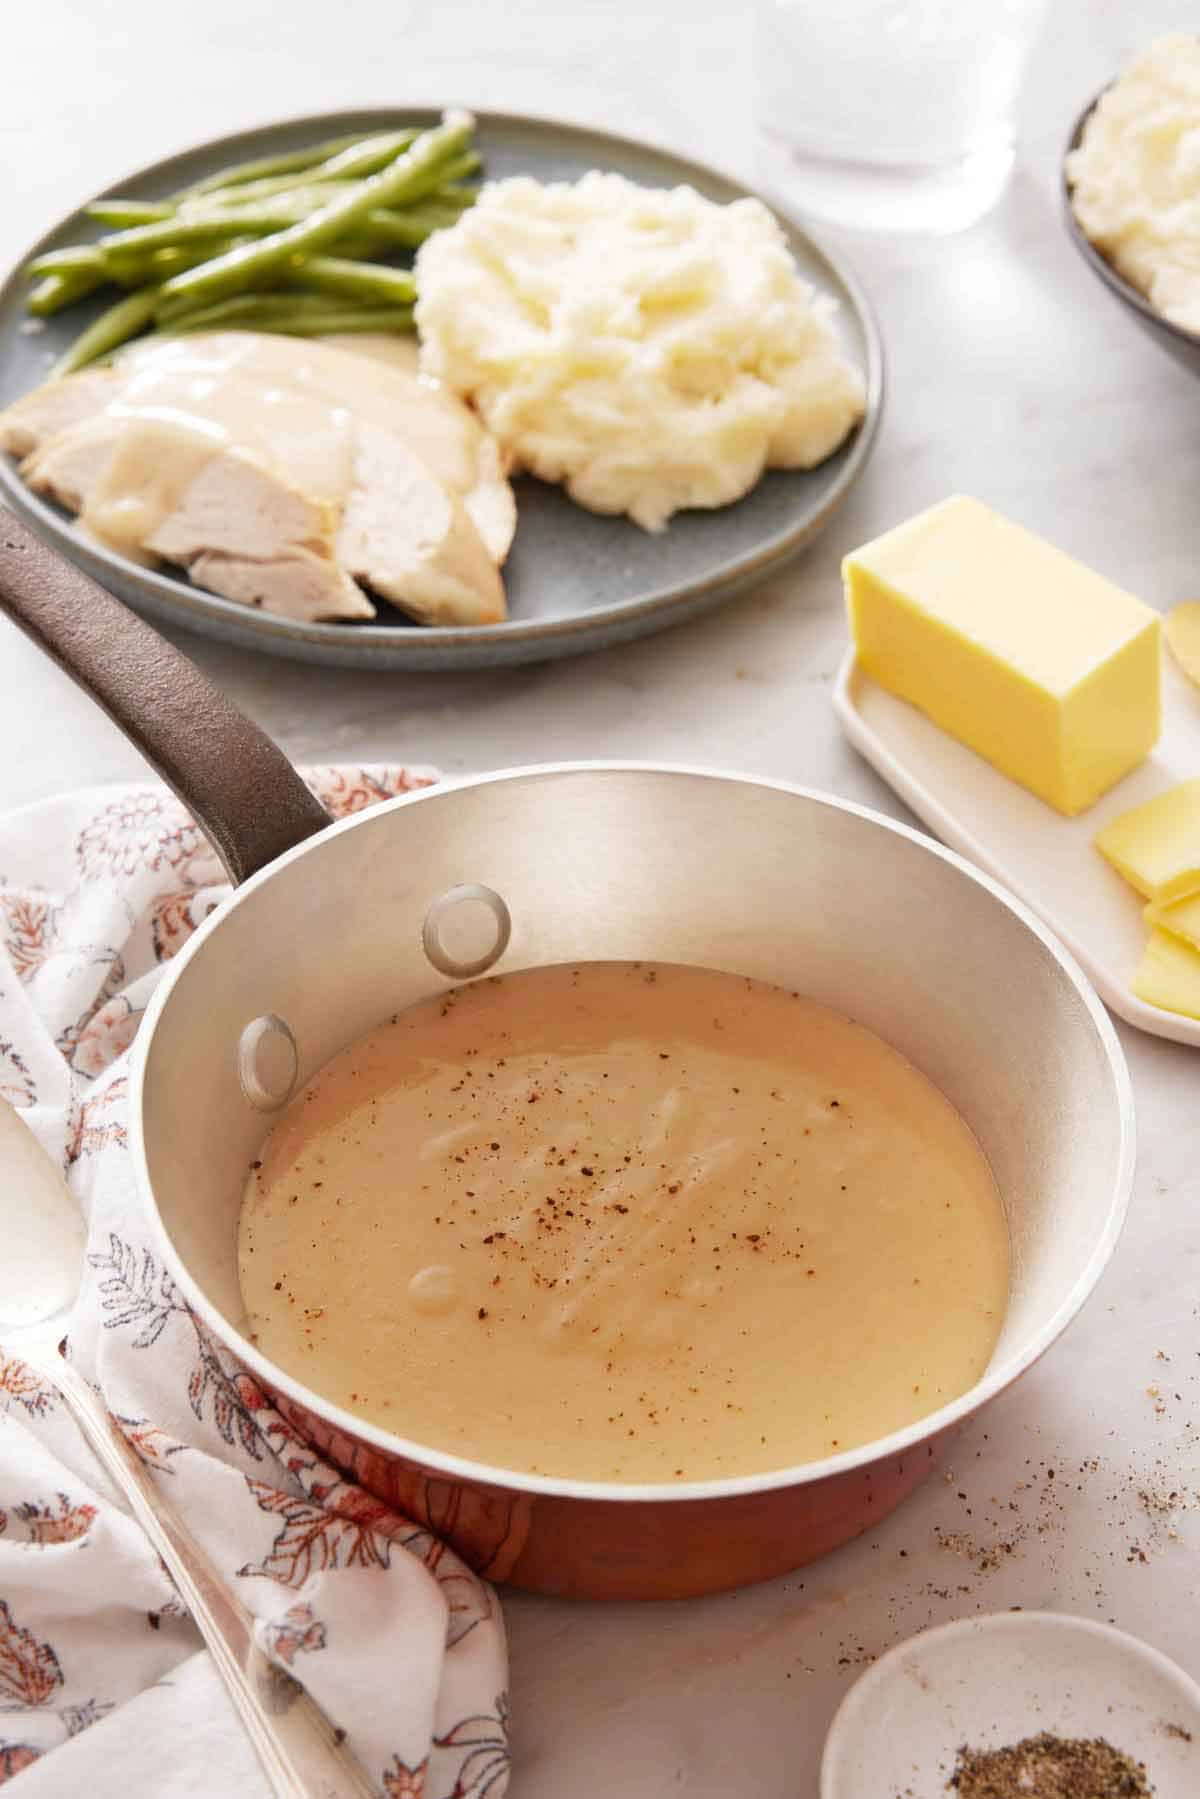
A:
[104,1686]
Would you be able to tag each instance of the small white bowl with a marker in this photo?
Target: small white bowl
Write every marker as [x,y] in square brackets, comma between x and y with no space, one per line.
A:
[994,1680]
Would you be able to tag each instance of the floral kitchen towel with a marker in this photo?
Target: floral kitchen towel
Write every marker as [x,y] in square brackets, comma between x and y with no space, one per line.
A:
[104,1684]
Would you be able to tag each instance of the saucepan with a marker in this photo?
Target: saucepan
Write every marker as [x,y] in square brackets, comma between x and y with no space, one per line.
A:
[333,927]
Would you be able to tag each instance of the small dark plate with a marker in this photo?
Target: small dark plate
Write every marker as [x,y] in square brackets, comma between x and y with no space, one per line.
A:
[1183,345]
[575,580]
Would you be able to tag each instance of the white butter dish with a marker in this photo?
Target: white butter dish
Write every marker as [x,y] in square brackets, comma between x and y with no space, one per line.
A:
[1045,859]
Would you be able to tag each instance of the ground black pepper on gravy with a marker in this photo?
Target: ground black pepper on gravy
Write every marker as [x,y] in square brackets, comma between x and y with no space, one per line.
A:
[626,1222]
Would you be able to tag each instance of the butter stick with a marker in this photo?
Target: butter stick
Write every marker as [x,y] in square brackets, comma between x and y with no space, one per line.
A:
[1033,661]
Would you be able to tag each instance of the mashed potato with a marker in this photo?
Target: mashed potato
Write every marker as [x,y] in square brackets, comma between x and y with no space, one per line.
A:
[646,347]
[1135,177]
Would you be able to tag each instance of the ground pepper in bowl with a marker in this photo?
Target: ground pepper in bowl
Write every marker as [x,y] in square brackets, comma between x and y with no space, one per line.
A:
[1049,1767]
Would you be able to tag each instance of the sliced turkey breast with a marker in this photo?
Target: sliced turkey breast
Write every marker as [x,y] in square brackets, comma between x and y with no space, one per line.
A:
[279,473]
[413,540]
[158,490]
[372,386]
[404,491]
[299,585]
[54,407]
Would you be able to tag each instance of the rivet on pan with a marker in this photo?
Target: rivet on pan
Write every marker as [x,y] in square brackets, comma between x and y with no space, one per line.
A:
[268,1062]
[466,930]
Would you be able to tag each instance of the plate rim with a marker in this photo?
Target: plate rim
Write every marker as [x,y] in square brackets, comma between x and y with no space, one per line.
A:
[861,1700]
[1175,1027]
[175,599]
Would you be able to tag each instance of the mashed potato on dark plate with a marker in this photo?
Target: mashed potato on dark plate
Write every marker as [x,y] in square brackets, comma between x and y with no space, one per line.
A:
[646,347]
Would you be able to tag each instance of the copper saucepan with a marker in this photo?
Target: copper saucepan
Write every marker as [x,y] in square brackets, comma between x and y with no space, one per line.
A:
[333,927]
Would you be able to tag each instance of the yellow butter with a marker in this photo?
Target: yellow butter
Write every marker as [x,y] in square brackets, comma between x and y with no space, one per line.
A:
[1182,627]
[1169,976]
[1035,662]
[1157,846]
[1182,919]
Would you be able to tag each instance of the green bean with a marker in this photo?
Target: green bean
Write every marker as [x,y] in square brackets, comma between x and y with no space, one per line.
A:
[129,212]
[129,248]
[171,260]
[367,158]
[161,256]
[157,265]
[295,201]
[260,302]
[170,234]
[384,230]
[460,167]
[83,267]
[50,294]
[364,158]
[290,161]
[188,230]
[387,230]
[413,175]
[109,331]
[347,319]
[370,283]
[289,314]
[56,291]
[76,259]
[220,253]
[290,203]
[253,193]
[123,250]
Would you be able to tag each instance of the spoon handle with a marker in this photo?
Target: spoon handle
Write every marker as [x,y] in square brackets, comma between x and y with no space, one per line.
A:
[302,1755]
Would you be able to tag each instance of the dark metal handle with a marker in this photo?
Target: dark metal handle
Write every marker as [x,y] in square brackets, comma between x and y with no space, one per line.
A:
[245,795]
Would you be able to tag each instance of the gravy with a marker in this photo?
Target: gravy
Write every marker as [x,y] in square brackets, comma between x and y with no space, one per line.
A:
[626,1222]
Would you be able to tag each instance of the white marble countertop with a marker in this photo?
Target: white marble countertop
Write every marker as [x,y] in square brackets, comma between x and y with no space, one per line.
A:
[1011,376]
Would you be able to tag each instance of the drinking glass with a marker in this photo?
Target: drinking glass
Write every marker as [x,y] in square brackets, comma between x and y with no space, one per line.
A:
[892,114]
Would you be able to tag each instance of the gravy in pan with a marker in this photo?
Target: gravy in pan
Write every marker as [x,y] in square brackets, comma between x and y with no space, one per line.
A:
[626,1222]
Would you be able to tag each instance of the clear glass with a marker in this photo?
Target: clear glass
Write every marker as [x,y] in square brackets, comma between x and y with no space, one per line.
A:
[893,115]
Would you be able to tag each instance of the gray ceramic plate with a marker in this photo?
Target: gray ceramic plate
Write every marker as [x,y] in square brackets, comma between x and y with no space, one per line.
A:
[575,581]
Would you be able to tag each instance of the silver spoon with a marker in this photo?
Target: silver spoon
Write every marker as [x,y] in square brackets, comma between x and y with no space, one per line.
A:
[302,1755]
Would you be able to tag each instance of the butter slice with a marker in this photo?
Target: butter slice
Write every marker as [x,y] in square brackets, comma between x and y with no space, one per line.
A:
[1182,919]
[1182,627]
[1169,975]
[1032,660]
[1157,846]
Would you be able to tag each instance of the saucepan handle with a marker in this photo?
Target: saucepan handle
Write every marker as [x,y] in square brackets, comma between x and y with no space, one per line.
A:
[242,790]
